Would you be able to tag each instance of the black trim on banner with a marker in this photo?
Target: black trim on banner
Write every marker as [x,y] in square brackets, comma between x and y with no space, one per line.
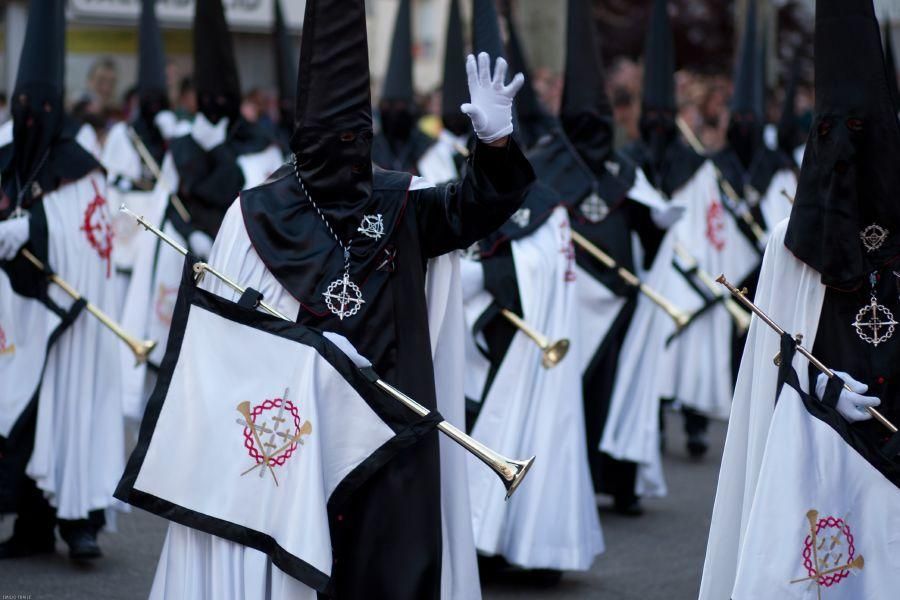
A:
[871,451]
[408,427]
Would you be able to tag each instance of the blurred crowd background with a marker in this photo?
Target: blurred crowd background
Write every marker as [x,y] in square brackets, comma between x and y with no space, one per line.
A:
[102,45]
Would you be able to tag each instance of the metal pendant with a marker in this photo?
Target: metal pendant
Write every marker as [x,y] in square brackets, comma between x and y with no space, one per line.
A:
[874,323]
[873,237]
[343,297]
[594,208]
[521,217]
[372,226]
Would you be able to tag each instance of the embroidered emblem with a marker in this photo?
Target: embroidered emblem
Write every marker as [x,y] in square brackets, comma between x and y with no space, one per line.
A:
[594,208]
[5,346]
[829,552]
[715,225]
[874,323]
[343,297]
[613,167]
[873,237]
[98,229]
[388,260]
[273,431]
[567,248]
[521,217]
[473,252]
[164,307]
[372,226]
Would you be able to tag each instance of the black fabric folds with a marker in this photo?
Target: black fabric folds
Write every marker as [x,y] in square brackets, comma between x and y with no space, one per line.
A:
[153,90]
[455,90]
[849,177]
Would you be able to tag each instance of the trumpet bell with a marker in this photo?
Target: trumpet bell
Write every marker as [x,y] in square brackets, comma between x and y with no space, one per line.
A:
[514,474]
[555,353]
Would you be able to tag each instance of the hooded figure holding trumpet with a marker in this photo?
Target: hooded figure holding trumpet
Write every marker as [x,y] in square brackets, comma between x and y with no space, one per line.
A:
[808,501]
[60,395]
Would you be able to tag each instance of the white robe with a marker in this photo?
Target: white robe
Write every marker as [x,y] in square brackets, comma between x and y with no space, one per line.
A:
[437,165]
[551,522]
[79,442]
[792,294]
[153,288]
[199,565]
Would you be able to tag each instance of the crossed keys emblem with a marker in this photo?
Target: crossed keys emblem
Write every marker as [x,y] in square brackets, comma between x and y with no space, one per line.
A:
[829,554]
[272,433]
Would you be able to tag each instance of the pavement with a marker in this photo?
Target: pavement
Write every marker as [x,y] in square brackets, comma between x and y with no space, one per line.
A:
[658,556]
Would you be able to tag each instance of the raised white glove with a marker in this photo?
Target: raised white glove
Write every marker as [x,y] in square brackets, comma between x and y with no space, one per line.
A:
[207,135]
[167,123]
[490,107]
[664,218]
[13,235]
[200,243]
[851,405]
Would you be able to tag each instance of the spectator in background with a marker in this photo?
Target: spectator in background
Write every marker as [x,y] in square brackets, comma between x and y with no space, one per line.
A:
[186,103]
[624,89]
[101,86]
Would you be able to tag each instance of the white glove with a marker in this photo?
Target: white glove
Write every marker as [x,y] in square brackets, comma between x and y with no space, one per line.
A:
[490,107]
[664,218]
[167,123]
[207,135]
[13,235]
[200,243]
[851,405]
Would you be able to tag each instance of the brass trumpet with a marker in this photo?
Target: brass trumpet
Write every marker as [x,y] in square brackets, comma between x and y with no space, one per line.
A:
[677,315]
[140,348]
[742,298]
[552,352]
[511,472]
[740,316]
[695,143]
[155,169]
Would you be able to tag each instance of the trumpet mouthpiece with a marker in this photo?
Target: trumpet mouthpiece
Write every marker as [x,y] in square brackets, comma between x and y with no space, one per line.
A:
[721,279]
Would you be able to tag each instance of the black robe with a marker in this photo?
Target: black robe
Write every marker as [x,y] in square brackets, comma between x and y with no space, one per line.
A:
[388,543]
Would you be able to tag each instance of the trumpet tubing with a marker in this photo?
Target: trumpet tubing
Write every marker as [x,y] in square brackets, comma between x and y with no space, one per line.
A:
[552,352]
[741,296]
[510,471]
[680,318]
[740,316]
[140,348]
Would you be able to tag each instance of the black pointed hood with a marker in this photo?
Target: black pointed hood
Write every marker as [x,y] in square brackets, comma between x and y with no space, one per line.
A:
[666,160]
[532,118]
[455,90]
[332,139]
[745,97]
[788,128]
[890,63]
[586,113]
[849,179]
[153,90]
[745,128]
[39,84]
[398,81]
[659,62]
[285,69]
[43,153]
[215,67]
[486,35]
